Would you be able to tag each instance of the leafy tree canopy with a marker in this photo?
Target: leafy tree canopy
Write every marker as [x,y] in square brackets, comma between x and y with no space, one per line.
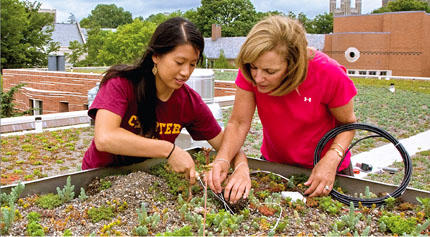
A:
[404,5]
[236,17]
[107,16]
[25,35]
[161,17]
[321,24]
[127,44]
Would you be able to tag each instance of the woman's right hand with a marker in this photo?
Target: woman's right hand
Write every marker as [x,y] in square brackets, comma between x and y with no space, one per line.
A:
[181,162]
[217,174]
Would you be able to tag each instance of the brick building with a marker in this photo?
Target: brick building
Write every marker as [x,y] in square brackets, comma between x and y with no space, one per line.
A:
[395,43]
[392,43]
[50,91]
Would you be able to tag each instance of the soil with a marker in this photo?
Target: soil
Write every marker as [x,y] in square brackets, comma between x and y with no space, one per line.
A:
[61,152]
[37,155]
[126,194]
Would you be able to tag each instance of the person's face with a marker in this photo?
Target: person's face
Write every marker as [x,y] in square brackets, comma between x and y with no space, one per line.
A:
[268,71]
[175,67]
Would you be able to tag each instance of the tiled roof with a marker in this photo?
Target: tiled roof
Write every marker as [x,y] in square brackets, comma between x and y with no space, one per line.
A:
[231,45]
[64,33]
[316,41]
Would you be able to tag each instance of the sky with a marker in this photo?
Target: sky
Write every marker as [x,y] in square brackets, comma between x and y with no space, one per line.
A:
[145,8]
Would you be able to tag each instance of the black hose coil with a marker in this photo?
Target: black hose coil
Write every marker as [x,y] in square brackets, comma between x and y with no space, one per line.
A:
[381,133]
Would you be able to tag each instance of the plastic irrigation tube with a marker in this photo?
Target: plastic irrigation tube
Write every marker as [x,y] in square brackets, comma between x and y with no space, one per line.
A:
[381,133]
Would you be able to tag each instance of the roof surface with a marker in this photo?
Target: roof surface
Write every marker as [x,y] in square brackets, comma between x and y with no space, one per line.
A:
[231,45]
[65,32]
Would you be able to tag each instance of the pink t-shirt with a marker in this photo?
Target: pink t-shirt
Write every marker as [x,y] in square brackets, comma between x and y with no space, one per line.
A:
[293,124]
[185,108]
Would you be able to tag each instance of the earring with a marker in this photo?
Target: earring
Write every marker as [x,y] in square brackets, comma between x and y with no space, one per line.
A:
[155,70]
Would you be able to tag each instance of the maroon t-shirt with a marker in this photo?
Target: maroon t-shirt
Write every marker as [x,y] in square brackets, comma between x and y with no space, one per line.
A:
[185,108]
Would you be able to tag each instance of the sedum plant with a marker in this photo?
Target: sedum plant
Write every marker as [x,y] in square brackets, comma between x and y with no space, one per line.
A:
[351,219]
[83,196]
[390,202]
[183,231]
[7,211]
[101,213]
[13,196]
[49,201]
[33,227]
[329,205]
[66,194]
[141,231]
[424,205]
[146,221]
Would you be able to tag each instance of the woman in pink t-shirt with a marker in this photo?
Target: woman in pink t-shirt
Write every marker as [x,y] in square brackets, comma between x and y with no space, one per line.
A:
[300,94]
[140,109]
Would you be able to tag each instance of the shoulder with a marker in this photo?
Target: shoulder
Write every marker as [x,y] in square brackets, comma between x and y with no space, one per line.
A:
[118,84]
[118,81]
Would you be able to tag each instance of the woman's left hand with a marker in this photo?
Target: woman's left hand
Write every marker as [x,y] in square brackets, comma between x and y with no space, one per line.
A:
[238,184]
[323,175]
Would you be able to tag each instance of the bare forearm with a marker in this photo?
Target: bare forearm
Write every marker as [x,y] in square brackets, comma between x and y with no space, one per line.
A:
[122,142]
[342,141]
[234,137]
[239,159]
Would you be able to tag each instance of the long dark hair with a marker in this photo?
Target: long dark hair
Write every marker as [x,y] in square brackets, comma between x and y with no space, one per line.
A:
[169,34]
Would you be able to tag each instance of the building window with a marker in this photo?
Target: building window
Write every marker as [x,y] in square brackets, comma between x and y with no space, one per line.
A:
[372,73]
[36,107]
[362,72]
[383,73]
[64,107]
[351,72]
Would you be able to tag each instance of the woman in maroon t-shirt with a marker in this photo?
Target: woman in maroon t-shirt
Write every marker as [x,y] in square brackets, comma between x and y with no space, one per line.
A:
[140,109]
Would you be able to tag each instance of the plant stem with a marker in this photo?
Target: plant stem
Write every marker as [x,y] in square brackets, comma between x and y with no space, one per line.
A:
[205,209]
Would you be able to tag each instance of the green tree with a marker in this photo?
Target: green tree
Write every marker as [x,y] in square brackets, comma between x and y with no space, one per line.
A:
[321,24]
[25,33]
[78,50]
[404,5]
[191,15]
[107,16]
[161,17]
[96,38]
[7,106]
[222,62]
[236,17]
[302,18]
[125,45]
[71,19]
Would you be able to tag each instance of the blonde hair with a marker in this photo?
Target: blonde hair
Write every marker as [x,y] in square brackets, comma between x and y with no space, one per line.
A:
[285,35]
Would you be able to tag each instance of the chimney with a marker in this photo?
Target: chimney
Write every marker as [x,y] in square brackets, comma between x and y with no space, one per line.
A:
[216,32]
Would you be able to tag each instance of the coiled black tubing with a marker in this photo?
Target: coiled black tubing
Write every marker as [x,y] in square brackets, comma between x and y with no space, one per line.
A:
[380,133]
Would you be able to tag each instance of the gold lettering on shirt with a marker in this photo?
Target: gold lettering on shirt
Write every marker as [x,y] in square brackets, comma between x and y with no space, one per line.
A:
[168,128]
[134,122]
[161,126]
[176,128]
